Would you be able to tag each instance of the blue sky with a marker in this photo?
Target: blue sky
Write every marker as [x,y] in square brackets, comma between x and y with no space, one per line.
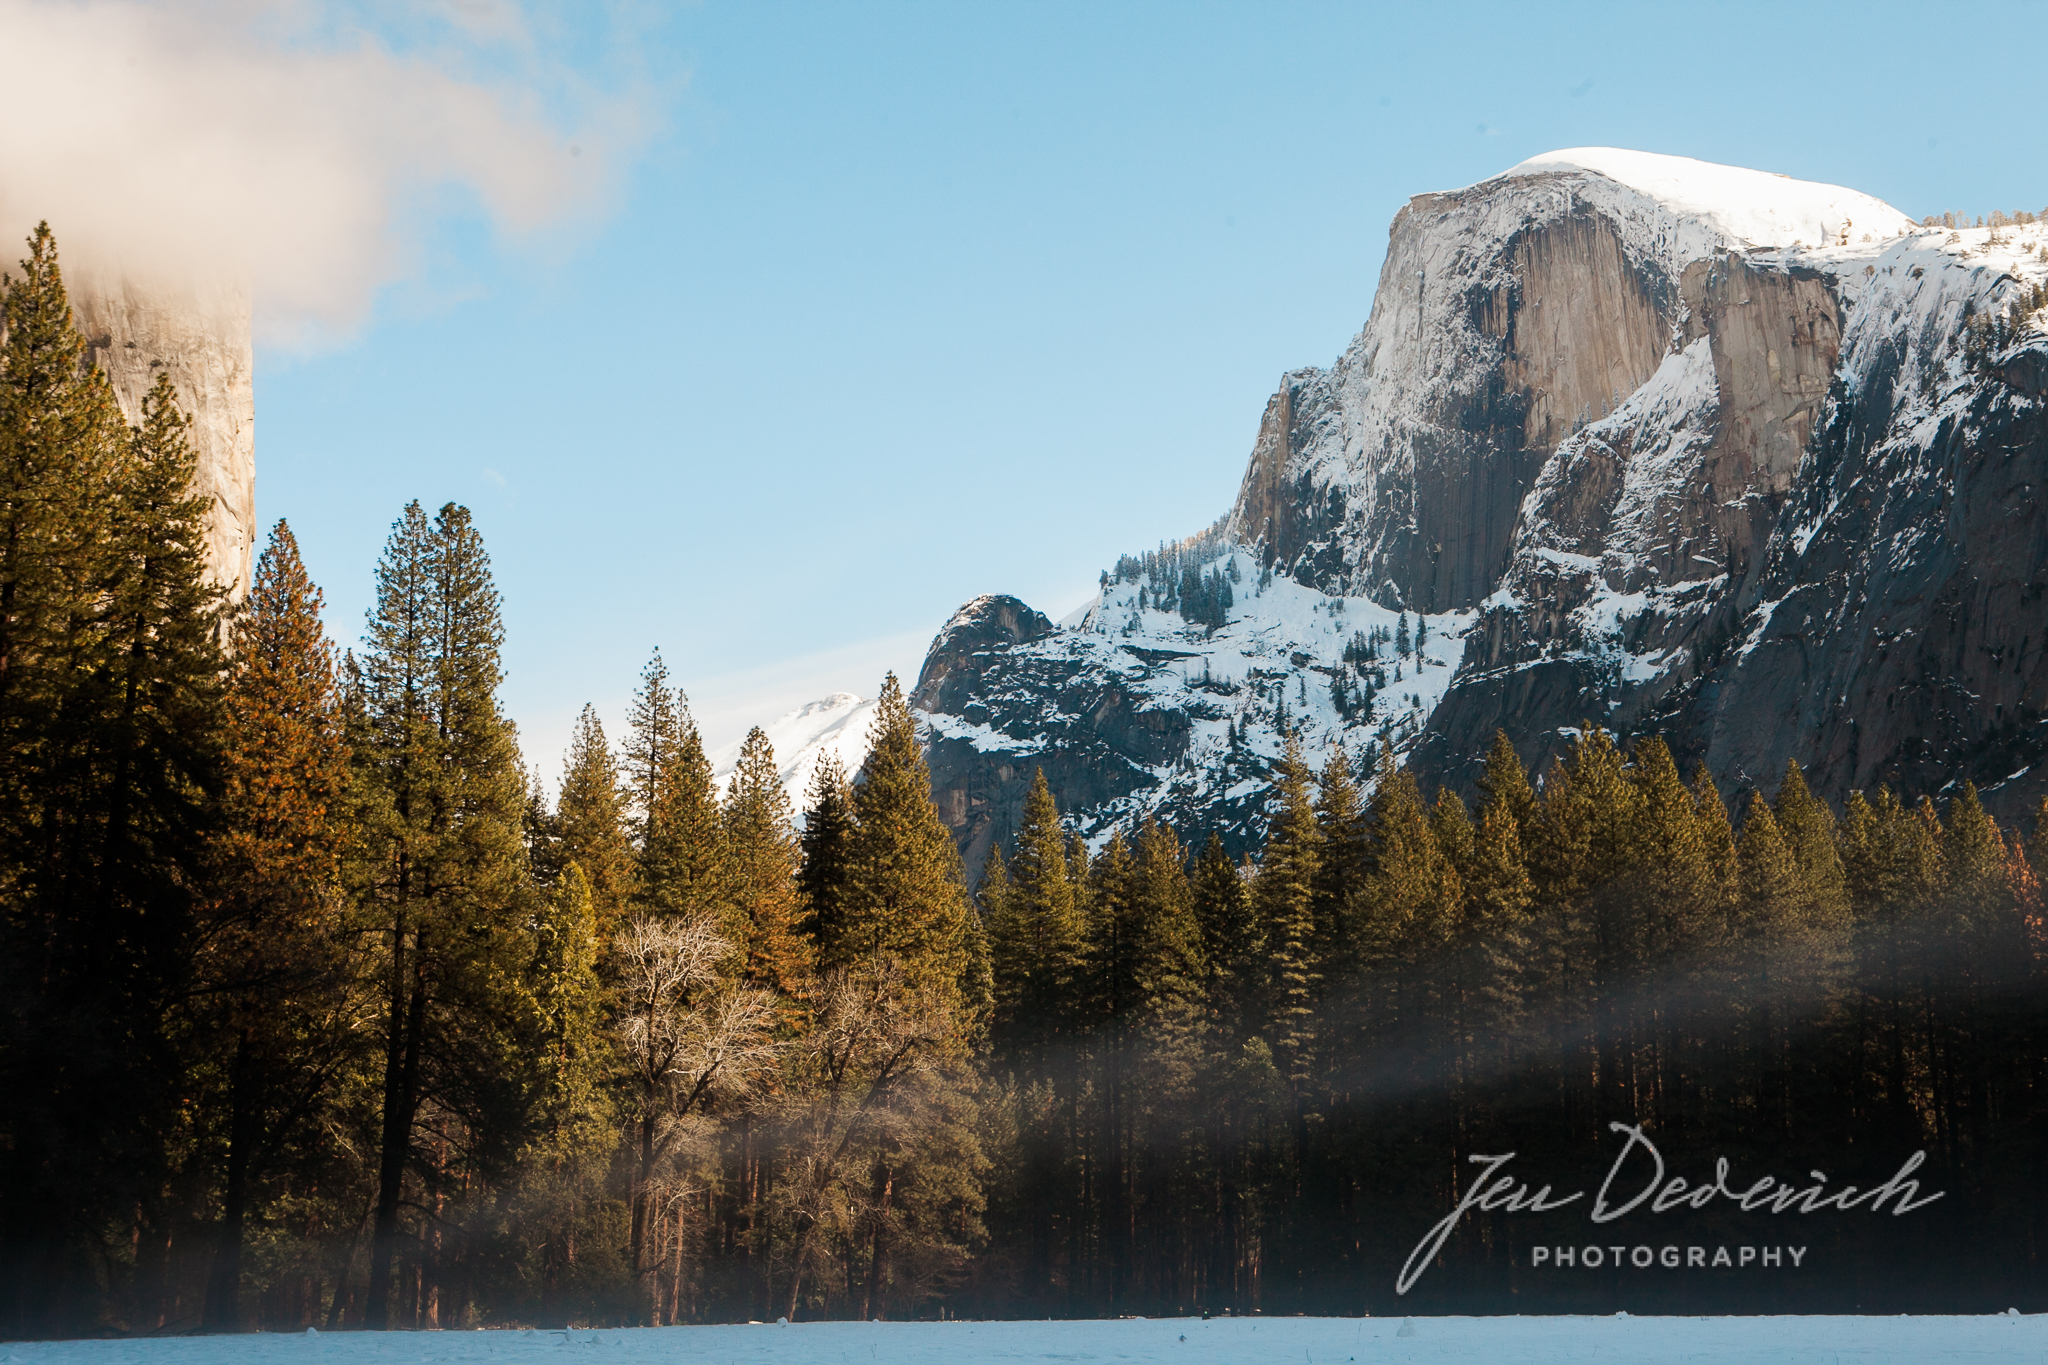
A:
[893,305]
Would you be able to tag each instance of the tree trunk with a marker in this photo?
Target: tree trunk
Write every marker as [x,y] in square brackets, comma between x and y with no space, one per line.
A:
[885,1187]
[223,1311]
[401,1099]
[675,1276]
[643,1223]
[798,1246]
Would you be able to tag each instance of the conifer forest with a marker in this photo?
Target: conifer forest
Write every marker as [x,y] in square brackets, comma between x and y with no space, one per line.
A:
[321,1007]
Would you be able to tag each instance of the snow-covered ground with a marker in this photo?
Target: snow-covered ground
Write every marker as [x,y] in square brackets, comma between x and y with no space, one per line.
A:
[1244,1341]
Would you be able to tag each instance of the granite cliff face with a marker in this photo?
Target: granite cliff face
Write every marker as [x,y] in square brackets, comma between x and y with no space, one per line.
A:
[200,336]
[1671,447]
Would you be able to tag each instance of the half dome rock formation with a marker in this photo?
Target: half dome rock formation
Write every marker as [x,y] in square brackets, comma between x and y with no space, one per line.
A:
[1747,462]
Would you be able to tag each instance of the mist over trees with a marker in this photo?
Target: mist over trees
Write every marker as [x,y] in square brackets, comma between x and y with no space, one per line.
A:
[318,1009]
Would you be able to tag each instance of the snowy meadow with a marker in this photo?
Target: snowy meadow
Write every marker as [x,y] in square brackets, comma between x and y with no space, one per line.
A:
[1184,1341]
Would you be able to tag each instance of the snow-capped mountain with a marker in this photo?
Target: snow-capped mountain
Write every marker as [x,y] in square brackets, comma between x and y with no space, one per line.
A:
[1749,462]
[835,725]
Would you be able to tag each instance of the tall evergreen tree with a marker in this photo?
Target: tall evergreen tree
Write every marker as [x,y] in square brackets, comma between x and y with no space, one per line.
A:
[1505,784]
[276,957]
[1284,897]
[1037,936]
[678,829]
[442,873]
[1233,942]
[827,847]
[1809,829]
[591,822]
[656,722]
[905,897]
[762,876]
[62,448]
[1724,875]
[1171,963]
[1343,862]
[569,995]
[109,771]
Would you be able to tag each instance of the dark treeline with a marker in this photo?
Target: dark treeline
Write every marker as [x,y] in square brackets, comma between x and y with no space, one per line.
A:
[1256,1088]
[316,1009]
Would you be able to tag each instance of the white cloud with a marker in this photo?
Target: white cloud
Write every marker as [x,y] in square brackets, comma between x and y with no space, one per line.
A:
[300,149]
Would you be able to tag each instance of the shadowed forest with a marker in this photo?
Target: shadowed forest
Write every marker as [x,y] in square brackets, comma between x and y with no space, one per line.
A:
[318,1007]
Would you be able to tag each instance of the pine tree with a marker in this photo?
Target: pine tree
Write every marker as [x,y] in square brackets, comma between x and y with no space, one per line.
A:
[1973,858]
[1233,948]
[442,870]
[576,1123]
[137,756]
[276,959]
[109,730]
[905,897]
[1408,920]
[827,847]
[682,852]
[1036,937]
[570,998]
[2037,842]
[1171,964]
[1770,934]
[677,830]
[1809,829]
[1407,909]
[62,447]
[1724,872]
[1498,894]
[1342,864]
[1505,784]
[125,779]
[590,823]
[762,875]
[1105,899]
[1284,900]
[1676,881]
[656,722]
[1451,823]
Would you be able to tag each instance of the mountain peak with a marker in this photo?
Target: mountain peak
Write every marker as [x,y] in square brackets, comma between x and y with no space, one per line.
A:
[1687,450]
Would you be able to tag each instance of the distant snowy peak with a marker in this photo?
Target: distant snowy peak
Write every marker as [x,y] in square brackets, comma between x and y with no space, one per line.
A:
[836,725]
[1749,208]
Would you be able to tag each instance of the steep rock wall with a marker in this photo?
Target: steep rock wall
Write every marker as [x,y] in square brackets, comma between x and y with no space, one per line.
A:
[1400,473]
[991,701]
[1671,500]
[200,336]
[1688,451]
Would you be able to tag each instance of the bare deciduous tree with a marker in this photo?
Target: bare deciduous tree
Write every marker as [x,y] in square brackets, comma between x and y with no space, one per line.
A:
[879,1043]
[692,1035]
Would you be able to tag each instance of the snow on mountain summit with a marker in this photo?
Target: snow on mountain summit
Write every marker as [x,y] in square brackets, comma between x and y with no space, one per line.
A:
[1755,208]
[836,724]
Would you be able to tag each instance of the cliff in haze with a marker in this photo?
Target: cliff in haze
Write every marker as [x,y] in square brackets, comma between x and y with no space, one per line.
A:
[1746,462]
[200,335]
